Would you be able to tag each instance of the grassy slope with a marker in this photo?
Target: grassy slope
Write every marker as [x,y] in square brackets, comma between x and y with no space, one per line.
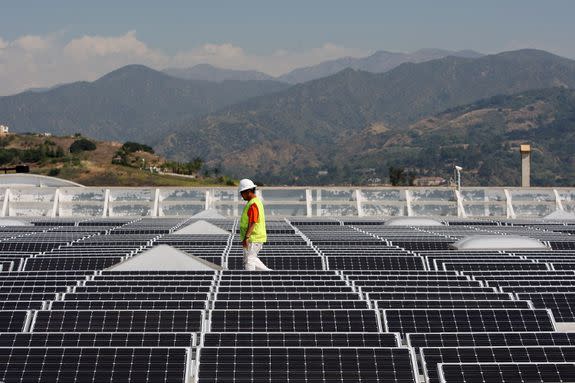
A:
[95,168]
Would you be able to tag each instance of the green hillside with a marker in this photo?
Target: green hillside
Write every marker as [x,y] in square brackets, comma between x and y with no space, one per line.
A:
[102,163]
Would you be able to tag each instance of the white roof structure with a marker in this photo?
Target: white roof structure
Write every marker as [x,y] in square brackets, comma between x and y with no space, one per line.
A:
[201,227]
[209,213]
[498,242]
[165,258]
[560,215]
[13,222]
[16,180]
[412,221]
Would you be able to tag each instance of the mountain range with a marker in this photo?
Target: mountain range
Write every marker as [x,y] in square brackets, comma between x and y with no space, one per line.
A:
[133,103]
[339,123]
[312,126]
[378,62]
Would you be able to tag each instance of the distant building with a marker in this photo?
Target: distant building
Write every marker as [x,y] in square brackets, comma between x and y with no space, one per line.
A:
[4,129]
[322,173]
[429,181]
[366,171]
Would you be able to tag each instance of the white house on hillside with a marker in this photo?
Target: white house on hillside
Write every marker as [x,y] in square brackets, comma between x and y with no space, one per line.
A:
[3,129]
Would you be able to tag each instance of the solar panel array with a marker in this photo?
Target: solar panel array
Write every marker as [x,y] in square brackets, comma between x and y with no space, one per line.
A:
[347,300]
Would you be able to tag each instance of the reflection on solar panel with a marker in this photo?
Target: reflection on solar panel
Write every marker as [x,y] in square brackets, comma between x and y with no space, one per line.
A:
[433,356]
[93,364]
[506,372]
[306,365]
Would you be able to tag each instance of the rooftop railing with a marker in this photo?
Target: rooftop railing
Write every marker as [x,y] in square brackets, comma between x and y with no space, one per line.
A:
[287,201]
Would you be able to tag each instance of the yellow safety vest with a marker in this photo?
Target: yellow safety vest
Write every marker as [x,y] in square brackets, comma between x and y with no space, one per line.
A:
[259,235]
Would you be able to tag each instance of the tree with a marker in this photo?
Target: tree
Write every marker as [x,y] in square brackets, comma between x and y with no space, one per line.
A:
[82,145]
[398,177]
[131,147]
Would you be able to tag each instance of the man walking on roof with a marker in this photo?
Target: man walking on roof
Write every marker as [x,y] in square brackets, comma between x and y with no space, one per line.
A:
[252,226]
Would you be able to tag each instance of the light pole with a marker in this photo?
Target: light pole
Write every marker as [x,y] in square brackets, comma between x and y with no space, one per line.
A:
[458,169]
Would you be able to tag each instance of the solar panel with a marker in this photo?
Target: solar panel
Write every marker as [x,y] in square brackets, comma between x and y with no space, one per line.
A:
[482,266]
[289,305]
[294,321]
[128,305]
[12,320]
[431,357]
[418,283]
[148,282]
[93,364]
[537,289]
[562,305]
[506,372]
[27,296]
[529,282]
[491,339]
[374,263]
[450,304]
[466,320]
[142,289]
[423,296]
[21,305]
[306,365]
[427,289]
[563,266]
[118,320]
[305,296]
[135,296]
[308,339]
[70,263]
[233,284]
[98,339]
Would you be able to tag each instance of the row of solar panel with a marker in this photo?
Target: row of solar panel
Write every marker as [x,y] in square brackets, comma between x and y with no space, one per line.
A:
[357,320]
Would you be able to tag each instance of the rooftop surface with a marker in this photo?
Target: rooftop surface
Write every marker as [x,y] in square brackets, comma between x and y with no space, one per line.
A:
[349,299]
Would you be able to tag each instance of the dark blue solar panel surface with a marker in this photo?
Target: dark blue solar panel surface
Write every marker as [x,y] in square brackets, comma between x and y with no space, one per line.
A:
[339,297]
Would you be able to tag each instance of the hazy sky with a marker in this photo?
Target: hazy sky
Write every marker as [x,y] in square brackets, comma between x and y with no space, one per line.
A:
[43,43]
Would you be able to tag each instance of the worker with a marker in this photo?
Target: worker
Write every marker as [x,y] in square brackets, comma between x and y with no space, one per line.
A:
[252,226]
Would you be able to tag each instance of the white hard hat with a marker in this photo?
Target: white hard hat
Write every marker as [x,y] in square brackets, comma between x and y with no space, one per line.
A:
[246,184]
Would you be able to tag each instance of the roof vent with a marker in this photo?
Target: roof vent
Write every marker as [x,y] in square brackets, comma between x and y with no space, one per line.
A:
[412,221]
[498,242]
